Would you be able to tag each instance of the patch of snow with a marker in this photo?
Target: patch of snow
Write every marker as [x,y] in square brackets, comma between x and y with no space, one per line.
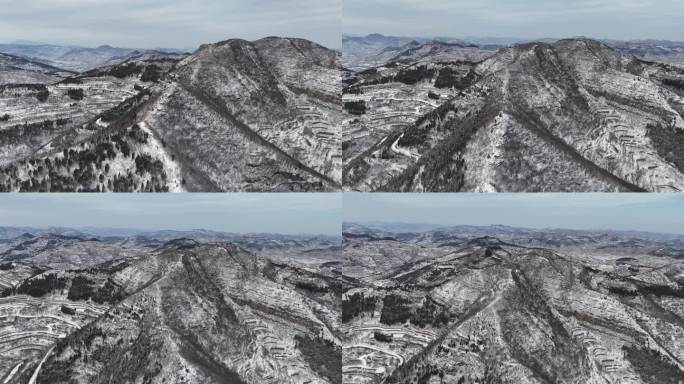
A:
[12,373]
[485,152]
[101,123]
[155,149]
[35,373]
[402,151]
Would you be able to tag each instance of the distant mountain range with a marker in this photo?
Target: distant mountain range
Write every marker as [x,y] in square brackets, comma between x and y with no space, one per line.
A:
[158,308]
[76,58]
[21,70]
[384,303]
[546,237]
[363,52]
[385,114]
[358,48]
[251,241]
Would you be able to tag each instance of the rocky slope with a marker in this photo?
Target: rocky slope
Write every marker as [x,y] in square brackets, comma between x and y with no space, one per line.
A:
[574,115]
[449,307]
[183,312]
[234,116]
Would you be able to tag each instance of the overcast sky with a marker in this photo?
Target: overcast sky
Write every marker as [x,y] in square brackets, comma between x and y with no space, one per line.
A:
[652,212]
[168,23]
[303,213]
[613,19]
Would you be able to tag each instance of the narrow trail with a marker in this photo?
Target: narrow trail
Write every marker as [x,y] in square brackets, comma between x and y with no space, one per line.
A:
[12,373]
[414,363]
[40,365]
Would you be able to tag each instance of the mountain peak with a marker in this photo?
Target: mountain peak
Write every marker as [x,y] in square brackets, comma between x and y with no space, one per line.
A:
[181,243]
[486,241]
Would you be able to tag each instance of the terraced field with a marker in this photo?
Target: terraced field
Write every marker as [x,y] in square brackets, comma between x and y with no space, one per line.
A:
[58,115]
[30,327]
[559,306]
[234,116]
[78,308]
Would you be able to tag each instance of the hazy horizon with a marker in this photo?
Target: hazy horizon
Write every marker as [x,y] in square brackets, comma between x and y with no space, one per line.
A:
[287,213]
[503,38]
[657,213]
[151,230]
[520,19]
[174,24]
[438,226]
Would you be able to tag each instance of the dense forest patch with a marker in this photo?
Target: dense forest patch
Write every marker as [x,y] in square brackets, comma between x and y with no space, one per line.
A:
[668,142]
[324,357]
[356,304]
[355,107]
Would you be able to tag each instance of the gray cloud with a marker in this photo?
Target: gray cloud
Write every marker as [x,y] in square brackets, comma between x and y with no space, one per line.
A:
[617,19]
[168,23]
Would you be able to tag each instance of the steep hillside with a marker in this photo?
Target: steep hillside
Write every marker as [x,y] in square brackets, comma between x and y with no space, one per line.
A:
[574,115]
[480,309]
[432,51]
[234,116]
[75,58]
[270,108]
[184,312]
[384,99]
[82,134]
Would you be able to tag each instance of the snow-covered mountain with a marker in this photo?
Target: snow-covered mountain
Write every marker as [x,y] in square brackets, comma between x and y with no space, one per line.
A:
[574,115]
[18,70]
[233,116]
[77,309]
[364,52]
[500,304]
[75,58]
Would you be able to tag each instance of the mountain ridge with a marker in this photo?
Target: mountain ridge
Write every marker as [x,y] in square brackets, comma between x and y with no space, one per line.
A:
[185,310]
[462,306]
[567,75]
[181,112]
